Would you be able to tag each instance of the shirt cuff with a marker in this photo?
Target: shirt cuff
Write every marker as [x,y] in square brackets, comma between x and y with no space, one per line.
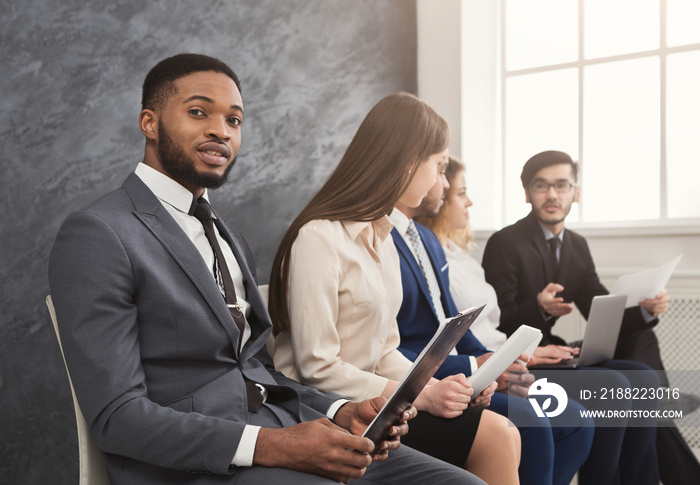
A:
[334,407]
[246,446]
[648,317]
[546,316]
[473,363]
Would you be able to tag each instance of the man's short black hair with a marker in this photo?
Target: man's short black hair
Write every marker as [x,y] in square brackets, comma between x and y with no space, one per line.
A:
[543,160]
[159,84]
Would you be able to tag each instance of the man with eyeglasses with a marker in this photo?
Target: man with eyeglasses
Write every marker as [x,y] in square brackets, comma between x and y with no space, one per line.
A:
[540,270]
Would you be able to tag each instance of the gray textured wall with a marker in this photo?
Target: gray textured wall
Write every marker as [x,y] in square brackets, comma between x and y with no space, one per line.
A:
[70,84]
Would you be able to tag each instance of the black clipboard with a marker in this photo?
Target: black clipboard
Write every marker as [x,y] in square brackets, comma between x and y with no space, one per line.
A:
[423,368]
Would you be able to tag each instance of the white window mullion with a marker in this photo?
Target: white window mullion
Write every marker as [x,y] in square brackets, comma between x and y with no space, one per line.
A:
[663,179]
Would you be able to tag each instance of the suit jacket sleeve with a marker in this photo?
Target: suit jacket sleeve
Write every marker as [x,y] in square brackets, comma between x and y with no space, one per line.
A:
[502,268]
[94,286]
[590,286]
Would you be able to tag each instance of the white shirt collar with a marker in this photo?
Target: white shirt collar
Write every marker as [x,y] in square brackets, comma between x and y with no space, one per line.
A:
[166,189]
[549,234]
[400,221]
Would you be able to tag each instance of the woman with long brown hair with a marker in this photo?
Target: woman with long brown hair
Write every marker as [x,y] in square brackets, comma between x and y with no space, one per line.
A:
[335,290]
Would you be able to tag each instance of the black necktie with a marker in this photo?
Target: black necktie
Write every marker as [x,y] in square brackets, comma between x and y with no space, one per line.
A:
[204,213]
[554,245]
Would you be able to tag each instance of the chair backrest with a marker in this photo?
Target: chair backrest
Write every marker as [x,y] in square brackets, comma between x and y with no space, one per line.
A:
[92,465]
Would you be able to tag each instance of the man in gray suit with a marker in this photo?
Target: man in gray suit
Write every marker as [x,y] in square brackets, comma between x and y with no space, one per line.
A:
[176,385]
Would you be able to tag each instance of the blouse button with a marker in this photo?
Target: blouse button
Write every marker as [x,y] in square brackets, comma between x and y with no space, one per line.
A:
[381,340]
[379,265]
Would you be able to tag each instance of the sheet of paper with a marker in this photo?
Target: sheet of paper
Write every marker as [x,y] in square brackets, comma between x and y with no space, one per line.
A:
[645,284]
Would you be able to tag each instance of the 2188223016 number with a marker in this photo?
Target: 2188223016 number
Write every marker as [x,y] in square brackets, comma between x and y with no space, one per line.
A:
[626,393]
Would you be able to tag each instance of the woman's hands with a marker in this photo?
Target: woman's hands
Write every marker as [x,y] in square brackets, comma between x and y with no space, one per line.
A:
[447,398]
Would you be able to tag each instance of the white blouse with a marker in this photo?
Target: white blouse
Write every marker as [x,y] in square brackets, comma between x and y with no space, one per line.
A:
[344,294]
[469,288]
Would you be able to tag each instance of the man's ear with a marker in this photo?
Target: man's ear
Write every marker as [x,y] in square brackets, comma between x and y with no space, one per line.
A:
[577,196]
[527,196]
[148,123]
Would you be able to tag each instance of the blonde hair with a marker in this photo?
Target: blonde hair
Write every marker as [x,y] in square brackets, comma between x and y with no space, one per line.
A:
[399,133]
[464,238]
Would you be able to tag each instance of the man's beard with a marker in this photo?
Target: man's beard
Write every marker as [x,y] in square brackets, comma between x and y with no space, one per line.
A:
[552,220]
[429,208]
[181,167]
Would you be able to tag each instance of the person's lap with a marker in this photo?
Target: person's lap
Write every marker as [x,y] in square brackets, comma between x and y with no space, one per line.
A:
[550,454]
[449,440]
[405,466]
[622,448]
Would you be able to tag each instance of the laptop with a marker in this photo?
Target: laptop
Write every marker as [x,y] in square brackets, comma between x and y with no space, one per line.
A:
[602,332]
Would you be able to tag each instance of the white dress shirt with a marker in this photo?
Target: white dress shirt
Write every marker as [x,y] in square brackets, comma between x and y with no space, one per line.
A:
[177,200]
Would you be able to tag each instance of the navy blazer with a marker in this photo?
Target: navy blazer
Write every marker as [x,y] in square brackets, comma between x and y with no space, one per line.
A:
[417,318]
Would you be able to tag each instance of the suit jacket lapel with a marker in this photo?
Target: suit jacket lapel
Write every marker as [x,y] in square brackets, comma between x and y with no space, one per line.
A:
[407,255]
[448,308]
[261,332]
[154,216]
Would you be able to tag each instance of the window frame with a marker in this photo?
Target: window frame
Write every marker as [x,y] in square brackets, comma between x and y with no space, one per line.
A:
[661,225]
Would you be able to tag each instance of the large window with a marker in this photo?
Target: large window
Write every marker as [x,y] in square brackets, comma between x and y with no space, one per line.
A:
[616,84]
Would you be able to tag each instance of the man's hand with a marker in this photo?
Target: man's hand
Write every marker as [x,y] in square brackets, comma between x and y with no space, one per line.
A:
[658,304]
[319,447]
[551,303]
[447,398]
[484,398]
[515,380]
[355,417]
[519,382]
[553,354]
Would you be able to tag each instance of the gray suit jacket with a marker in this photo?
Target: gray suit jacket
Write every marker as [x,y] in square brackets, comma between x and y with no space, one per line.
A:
[151,346]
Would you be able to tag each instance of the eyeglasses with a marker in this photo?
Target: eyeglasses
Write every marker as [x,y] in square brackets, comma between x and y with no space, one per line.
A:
[561,186]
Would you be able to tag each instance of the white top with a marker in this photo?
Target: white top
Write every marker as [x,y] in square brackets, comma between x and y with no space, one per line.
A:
[344,294]
[469,288]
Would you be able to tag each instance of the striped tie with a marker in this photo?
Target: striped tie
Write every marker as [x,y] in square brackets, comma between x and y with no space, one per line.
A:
[427,268]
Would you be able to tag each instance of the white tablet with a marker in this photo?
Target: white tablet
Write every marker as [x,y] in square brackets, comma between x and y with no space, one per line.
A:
[524,339]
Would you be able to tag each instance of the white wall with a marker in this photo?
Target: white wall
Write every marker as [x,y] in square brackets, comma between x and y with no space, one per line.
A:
[458,60]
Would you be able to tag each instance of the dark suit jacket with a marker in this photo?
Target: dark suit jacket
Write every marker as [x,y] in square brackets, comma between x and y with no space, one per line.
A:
[151,346]
[517,264]
[417,318]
